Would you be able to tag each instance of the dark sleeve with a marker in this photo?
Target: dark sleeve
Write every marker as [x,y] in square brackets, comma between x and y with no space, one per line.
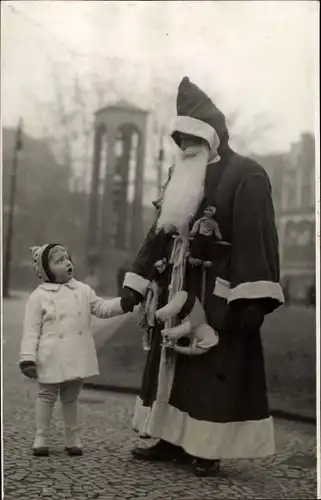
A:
[255,271]
[153,249]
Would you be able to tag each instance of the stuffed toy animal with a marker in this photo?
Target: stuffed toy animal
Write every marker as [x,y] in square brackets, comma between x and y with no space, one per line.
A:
[188,309]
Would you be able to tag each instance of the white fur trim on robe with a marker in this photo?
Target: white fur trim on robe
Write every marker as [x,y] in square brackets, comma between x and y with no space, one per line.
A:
[211,440]
[257,290]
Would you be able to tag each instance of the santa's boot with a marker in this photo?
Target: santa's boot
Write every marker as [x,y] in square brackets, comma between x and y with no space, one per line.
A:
[73,445]
[162,451]
[43,419]
[203,467]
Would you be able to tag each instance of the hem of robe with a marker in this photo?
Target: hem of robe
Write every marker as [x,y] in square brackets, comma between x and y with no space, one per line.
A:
[257,290]
[204,439]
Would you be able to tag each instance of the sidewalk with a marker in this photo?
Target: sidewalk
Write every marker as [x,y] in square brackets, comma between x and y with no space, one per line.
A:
[107,471]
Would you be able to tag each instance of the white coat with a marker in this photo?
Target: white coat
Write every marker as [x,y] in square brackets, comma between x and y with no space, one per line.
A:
[56,332]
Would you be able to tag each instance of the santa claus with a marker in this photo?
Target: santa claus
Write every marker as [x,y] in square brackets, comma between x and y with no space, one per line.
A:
[212,406]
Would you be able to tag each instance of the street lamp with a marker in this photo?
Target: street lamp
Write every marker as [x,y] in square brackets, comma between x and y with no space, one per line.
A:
[18,146]
[116,192]
[160,164]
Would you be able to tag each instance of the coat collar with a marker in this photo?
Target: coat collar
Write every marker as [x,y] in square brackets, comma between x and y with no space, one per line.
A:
[54,287]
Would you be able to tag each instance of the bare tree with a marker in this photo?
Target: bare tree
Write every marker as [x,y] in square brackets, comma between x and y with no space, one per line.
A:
[68,118]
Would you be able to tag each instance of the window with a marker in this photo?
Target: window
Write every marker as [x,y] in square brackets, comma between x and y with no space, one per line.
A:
[289,190]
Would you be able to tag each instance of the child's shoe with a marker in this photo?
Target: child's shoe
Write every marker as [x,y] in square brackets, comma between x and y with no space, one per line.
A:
[73,445]
[74,451]
[40,446]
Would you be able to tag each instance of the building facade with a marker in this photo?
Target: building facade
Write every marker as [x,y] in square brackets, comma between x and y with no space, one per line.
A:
[297,221]
[292,177]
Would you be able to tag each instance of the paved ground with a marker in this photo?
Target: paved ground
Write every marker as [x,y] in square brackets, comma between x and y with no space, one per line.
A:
[106,471]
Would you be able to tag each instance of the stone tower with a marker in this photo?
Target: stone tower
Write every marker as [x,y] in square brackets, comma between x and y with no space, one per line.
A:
[115,229]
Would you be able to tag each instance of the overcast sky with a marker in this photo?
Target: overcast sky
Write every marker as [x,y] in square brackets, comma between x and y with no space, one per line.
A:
[256,57]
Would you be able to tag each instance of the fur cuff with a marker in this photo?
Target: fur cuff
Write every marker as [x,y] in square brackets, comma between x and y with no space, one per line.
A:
[29,358]
[136,282]
[257,290]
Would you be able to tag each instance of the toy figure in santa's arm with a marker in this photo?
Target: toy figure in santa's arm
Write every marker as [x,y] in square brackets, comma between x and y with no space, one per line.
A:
[211,406]
[193,326]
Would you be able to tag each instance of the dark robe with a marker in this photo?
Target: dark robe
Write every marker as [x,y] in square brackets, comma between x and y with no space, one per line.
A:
[215,405]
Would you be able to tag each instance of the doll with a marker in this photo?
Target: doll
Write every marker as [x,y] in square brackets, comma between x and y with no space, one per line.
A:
[204,232]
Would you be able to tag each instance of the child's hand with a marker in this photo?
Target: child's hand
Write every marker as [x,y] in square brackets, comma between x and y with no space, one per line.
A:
[29,369]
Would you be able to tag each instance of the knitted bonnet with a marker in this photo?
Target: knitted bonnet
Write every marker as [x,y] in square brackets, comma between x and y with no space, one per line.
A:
[40,255]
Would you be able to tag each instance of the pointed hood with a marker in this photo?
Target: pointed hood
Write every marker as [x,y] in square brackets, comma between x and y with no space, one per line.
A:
[197,115]
[40,257]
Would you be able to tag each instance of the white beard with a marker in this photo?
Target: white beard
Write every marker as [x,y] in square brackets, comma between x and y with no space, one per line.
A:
[184,191]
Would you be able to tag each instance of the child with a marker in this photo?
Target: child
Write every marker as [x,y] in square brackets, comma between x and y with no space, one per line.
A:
[57,347]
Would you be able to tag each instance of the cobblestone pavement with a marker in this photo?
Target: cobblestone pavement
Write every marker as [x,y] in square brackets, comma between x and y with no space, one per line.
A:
[107,471]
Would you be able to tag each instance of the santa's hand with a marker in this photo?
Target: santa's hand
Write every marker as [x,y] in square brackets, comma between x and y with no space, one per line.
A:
[246,314]
[134,296]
